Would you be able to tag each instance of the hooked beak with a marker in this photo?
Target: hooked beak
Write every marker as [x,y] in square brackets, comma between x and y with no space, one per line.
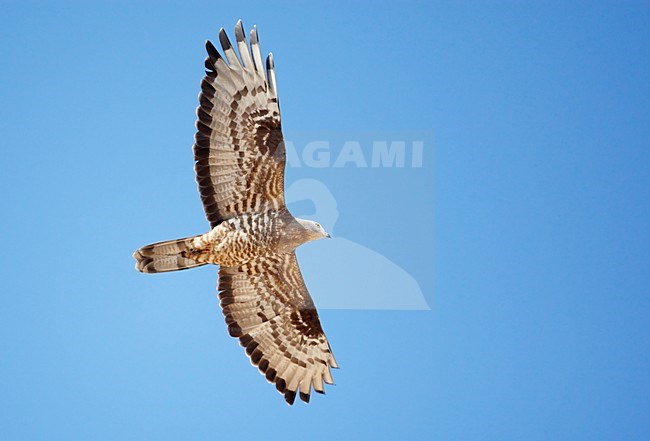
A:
[329,236]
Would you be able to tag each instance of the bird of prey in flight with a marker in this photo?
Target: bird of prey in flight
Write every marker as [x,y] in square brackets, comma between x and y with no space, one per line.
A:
[239,158]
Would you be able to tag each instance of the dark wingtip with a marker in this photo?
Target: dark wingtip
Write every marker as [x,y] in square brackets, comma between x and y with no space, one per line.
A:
[251,347]
[234,330]
[280,385]
[255,38]
[322,392]
[304,397]
[290,397]
[240,34]
[256,356]
[224,40]
[245,340]
[212,51]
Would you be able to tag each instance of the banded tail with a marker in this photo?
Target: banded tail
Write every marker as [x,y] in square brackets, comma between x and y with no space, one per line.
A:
[165,256]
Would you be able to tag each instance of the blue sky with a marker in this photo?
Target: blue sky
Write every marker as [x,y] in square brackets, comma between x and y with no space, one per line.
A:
[525,228]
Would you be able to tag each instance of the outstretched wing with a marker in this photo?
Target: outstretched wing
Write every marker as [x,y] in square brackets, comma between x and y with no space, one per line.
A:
[267,305]
[239,149]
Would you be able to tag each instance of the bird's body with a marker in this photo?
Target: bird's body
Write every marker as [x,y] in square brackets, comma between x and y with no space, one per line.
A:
[233,242]
[239,240]
[240,158]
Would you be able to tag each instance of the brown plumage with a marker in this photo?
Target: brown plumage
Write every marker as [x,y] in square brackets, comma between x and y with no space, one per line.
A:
[240,160]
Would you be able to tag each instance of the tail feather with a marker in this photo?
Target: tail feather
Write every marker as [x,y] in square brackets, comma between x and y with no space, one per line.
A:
[165,256]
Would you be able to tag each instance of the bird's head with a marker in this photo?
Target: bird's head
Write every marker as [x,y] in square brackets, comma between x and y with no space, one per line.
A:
[314,230]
